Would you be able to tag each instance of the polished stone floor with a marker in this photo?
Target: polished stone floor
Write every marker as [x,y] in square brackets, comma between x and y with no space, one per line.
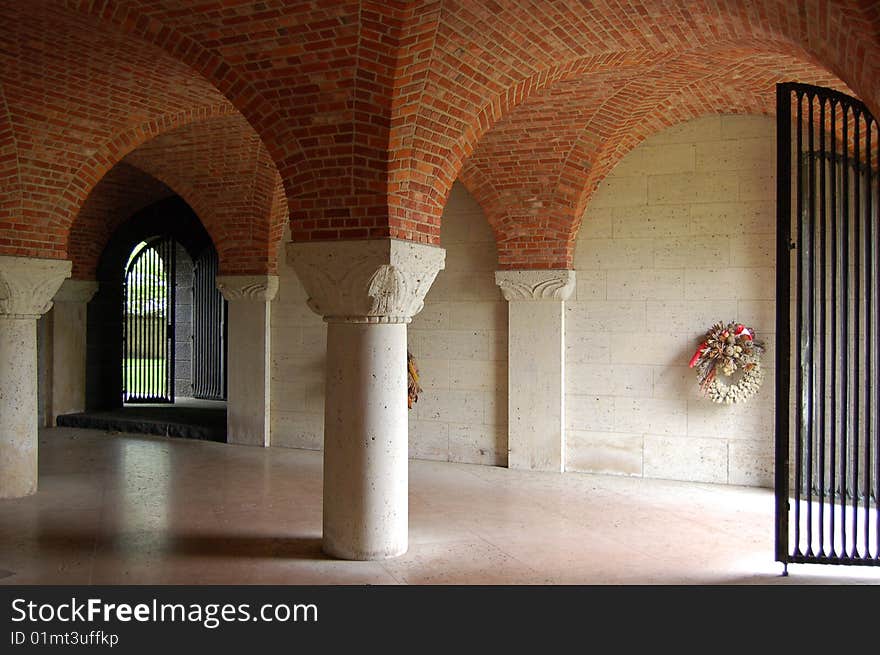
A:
[118,509]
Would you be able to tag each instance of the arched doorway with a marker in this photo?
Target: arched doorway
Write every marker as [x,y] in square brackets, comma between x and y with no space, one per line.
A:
[156,330]
[174,324]
[148,322]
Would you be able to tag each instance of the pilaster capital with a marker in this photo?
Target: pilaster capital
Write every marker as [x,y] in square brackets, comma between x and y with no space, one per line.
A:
[76,291]
[27,285]
[248,287]
[552,284]
[367,281]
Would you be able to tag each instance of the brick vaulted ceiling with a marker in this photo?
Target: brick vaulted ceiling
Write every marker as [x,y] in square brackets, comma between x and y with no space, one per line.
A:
[362,114]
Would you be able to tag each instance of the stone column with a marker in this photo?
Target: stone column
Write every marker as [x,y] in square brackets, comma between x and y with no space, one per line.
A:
[26,290]
[67,332]
[367,292]
[536,366]
[248,364]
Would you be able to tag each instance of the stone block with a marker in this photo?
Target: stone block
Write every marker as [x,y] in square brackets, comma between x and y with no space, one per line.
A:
[478,257]
[650,348]
[651,222]
[590,285]
[739,126]
[645,284]
[752,153]
[617,380]
[589,413]
[756,250]
[621,191]
[681,458]
[607,254]
[750,421]
[692,252]
[751,464]
[450,406]
[733,218]
[428,439]
[297,430]
[661,416]
[604,452]
[681,188]
[606,315]
[434,316]
[478,444]
[452,344]
[691,317]
[478,375]
[478,315]
[585,347]
[734,283]
[669,158]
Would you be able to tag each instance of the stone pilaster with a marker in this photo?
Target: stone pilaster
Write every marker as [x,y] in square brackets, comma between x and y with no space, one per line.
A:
[367,291]
[536,366]
[67,347]
[26,290]
[248,363]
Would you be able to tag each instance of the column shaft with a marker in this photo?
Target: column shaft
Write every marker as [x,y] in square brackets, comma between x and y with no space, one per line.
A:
[26,290]
[68,351]
[536,366]
[367,291]
[536,396]
[18,407]
[248,399]
[365,441]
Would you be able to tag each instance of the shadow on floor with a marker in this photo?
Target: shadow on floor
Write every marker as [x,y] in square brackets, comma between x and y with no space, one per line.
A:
[190,545]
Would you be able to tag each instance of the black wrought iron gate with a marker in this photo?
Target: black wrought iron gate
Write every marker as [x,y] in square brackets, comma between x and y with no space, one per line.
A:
[148,323]
[209,329]
[828,333]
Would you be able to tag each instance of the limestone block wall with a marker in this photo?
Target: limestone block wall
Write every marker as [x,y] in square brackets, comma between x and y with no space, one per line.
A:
[459,340]
[680,235]
[299,347]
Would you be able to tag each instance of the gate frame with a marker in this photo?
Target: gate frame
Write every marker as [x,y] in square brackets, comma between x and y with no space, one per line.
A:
[784,246]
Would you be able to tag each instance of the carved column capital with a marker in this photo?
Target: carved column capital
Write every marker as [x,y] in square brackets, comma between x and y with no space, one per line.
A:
[27,285]
[76,291]
[369,281]
[555,284]
[248,287]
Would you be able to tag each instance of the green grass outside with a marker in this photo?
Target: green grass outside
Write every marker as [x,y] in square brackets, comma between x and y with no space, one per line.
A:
[142,374]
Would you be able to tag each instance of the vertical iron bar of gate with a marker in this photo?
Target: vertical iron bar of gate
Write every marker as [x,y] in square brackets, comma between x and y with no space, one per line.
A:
[172,308]
[799,442]
[811,313]
[832,466]
[197,326]
[845,284]
[783,293]
[823,299]
[869,333]
[857,341]
[873,336]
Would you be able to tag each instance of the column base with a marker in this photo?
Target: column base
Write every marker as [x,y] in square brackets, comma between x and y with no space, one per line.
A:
[341,552]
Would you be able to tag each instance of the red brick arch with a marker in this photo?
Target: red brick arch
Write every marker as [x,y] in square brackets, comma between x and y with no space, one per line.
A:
[367,108]
[472,63]
[223,171]
[313,79]
[535,170]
